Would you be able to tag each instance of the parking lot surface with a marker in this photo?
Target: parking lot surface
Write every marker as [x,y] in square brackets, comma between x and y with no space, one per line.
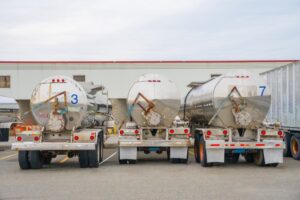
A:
[153,177]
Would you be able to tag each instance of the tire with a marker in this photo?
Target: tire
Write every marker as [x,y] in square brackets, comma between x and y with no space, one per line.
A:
[249,158]
[93,156]
[202,152]
[168,153]
[35,159]
[287,139]
[83,159]
[23,160]
[232,158]
[101,147]
[175,160]
[259,159]
[273,165]
[295,147]
[197,147]
[47,160]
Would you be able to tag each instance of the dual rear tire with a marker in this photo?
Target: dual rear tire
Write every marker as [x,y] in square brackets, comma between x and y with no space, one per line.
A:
[295,147]
[200,151]
[259,160]
[30,159]
[92,158]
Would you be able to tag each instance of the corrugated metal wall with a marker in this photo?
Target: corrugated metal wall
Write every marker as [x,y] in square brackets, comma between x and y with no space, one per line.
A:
[285,86]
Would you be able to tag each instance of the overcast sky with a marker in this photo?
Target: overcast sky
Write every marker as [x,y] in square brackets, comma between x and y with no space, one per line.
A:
[149,30]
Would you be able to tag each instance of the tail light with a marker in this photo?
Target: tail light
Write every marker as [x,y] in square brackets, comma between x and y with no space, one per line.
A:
[171,131]
[189,135]
[136,131]
[76,137]
[36,138]
[186,131]
[225,132]
[208,132]
[92,137]
[19,138]
[263,132]
[121,132]
[280,133]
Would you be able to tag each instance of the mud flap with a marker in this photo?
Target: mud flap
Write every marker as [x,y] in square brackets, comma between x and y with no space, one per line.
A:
[215,154]
[129,153]
[178,152]
[273,156]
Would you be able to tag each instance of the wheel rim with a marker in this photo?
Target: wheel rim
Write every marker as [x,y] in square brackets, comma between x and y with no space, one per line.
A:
[201,149]
[196,151]
[294,146]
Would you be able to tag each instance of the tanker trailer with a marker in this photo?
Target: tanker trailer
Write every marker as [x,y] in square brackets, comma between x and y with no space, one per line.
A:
[153,103]
[227,116]
[67,121]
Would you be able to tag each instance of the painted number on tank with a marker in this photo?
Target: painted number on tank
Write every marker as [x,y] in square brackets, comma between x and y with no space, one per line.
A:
[262,87]
[74,99]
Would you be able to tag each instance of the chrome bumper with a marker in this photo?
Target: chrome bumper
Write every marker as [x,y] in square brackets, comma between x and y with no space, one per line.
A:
[43,146]
[154,143]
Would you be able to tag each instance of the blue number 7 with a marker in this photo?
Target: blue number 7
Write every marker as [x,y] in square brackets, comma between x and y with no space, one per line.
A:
[263,87]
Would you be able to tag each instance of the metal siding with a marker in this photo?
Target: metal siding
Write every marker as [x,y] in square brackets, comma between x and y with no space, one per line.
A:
[284,95]
[285,86]
[297,94]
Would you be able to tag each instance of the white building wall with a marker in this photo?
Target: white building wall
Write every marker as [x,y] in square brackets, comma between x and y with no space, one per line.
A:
[118,77]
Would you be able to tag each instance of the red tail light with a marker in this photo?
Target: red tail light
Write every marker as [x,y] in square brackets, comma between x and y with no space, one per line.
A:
[36,138]
[280,133]
[208,132]
[76,137]
[19,138]
[263,132]
[121,132]
[225,132]
[186,131]
[171,131]
[136,131]
[92,137]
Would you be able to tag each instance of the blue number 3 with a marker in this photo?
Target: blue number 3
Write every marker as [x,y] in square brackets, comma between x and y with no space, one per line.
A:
[74,98]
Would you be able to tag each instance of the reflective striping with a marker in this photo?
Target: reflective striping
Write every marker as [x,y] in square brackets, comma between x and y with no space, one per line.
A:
[215,145]
[5,157]
[277,145]
[64,160]
[259,145]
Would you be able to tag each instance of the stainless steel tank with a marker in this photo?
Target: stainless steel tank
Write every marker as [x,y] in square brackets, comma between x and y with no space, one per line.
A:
[153,101]
[60,103]
[239,100]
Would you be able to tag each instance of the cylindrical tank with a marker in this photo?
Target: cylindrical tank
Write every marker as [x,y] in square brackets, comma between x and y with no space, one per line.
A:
[60,103]
[153,101]
[238,100]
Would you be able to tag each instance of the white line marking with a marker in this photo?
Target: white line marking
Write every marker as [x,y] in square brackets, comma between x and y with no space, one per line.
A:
[5,157]
[108,158]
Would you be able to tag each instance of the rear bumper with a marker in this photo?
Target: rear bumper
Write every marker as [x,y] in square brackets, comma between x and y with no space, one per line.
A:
[43,146]
[219,144]
[154,143]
